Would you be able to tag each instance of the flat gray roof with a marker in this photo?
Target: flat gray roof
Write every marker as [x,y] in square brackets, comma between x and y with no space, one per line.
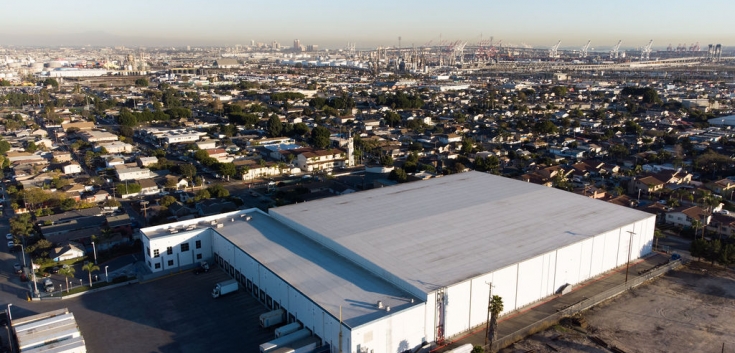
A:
[442,231]
[326,278]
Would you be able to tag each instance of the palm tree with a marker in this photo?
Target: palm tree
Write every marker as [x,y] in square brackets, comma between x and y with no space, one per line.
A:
[496,307]
[696,224]
[67,272]
[89,267]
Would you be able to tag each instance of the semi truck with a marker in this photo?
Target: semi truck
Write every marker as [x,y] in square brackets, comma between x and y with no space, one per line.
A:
[290,328]
[223,288]
[284,341]
[271,318]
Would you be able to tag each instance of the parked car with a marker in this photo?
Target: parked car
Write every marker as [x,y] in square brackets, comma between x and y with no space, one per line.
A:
[54,269]
[9,236]
[11,244]
[17,267]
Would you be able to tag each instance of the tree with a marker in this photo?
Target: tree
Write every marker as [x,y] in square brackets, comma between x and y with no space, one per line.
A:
[67,271]
[217,191]
[698,248]
[495,307]
[141,82]
[201,195]
[320,137]
[227,169]
[187,170]
[31,147]
[167,201]
[90,267]
[398,175]
[467,146]
[274,126]
[386,160]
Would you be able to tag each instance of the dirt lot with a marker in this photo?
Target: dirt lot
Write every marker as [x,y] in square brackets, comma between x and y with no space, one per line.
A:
[690,310]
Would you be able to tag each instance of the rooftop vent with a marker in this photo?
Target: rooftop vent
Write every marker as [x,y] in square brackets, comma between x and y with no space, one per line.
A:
[387,308]
[220,225]
[380,304]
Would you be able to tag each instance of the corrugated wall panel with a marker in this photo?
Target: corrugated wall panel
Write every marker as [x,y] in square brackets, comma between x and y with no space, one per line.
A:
[530,276]
[598,255]
[457,308]
[478,304]
[504,285]
[585,259]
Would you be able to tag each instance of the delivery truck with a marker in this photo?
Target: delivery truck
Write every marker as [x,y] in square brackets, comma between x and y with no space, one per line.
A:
[223,288]
[271,318]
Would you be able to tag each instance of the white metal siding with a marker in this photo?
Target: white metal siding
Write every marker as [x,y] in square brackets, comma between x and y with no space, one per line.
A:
[529,281]
[534,279]
[457,307]
[395,333]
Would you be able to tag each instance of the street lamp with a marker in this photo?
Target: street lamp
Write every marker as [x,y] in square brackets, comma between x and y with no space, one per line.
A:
[10,317]
[106,278]
[94,249]
[80,282]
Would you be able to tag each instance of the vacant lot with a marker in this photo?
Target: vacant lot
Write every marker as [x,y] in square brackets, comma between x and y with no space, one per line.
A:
[690,310]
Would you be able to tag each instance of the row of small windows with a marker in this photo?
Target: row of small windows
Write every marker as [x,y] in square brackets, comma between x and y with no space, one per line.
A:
[170,263]
[170,250]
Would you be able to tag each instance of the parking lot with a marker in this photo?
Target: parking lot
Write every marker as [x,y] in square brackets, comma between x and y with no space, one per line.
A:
[172,314]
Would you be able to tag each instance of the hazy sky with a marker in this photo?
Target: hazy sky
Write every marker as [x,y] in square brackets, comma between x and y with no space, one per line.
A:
[333,23]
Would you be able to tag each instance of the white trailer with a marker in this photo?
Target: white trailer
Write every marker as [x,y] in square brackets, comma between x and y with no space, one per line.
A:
[223,288]
[284,341]
[287,329]
[271,318]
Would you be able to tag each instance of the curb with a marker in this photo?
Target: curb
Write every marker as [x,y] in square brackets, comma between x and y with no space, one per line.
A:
[94,290]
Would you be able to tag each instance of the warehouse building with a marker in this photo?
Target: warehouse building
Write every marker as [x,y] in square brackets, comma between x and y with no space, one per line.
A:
[411,263]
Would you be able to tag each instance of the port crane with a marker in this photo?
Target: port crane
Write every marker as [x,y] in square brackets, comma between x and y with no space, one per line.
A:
[583,53]
[554,51]
[614,52]
[646,51]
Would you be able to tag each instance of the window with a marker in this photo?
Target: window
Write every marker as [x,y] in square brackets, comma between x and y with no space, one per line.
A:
[148,251]
[158,265]
[169,250]
[170,262]
[262,296]
[198,244]
[199,256]
[250,285]
[255,290]
[269,301]
[155,253]
[184,247]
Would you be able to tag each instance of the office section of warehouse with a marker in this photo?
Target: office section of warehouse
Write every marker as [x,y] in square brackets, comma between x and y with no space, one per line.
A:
[411,263]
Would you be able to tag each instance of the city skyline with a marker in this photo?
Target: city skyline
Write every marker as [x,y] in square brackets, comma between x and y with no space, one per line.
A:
[331,24]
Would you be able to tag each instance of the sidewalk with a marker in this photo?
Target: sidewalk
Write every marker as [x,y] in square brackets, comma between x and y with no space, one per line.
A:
[511,323]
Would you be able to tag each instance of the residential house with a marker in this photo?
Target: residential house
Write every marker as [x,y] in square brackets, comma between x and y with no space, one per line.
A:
[146,161]
[132,173]
[723,187]
[178,182]
[646,184]
[321,160]
[115,147]
[71,168]
[61,156]
[69,250]
[685,216]
[148,187]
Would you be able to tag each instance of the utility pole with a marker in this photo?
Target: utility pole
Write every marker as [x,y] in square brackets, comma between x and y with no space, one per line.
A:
[144,208]
[630,247]
[489,302]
